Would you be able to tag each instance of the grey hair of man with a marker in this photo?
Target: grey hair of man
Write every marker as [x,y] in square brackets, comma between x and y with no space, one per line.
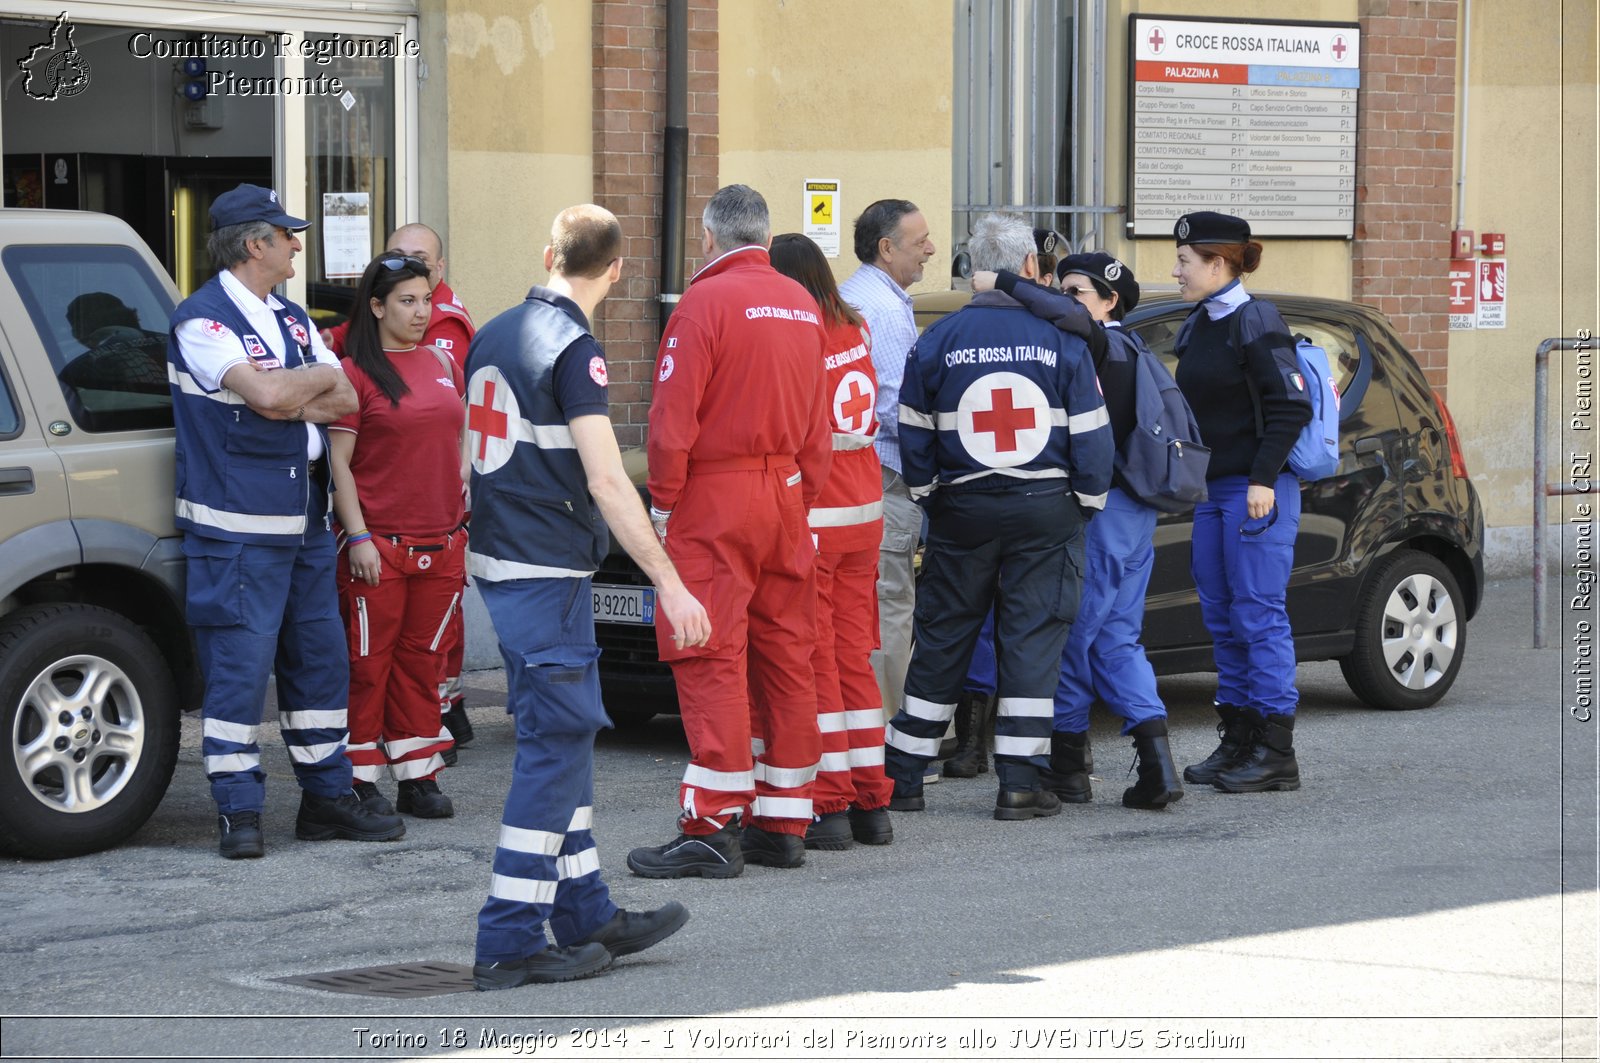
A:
[879,222]
[1001,241]
[736,216]
[230,245]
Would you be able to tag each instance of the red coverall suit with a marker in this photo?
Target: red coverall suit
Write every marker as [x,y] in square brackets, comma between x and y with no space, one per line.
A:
[739,448]
[847,521]
[450,329]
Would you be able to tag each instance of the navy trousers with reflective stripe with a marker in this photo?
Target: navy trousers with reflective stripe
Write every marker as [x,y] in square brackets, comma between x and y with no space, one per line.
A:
[1021,551]
[545,864]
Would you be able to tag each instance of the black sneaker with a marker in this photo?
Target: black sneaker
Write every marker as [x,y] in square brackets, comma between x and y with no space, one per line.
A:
[715,855]
[241,835]
[322,818]
[629,932]
[1026,804]
[554,964]
[372,798]
[871,826]
[831,830]
[771,849]
[907,797]
[421,798]
[457,723]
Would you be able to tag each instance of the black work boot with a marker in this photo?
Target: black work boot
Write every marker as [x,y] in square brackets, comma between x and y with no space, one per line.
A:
[974,721]
[1068,774]
[715,855]
[557,963]
[423,799]
[322,818]
[830,830]
[1026,804]
[907,797]
[1157,785]
[630,932]
[241,835]
[1235,729]
[372,798]
[770,848]
[1268,765]
[871,826]
[456,722]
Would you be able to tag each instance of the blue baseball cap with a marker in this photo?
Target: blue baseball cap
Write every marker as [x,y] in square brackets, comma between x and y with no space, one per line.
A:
[252,203]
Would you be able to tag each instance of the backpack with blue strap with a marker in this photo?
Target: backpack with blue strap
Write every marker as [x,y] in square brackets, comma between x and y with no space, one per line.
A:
[1163,460]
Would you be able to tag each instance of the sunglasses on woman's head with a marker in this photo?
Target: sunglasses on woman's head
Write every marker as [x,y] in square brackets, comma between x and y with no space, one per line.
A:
[400,262]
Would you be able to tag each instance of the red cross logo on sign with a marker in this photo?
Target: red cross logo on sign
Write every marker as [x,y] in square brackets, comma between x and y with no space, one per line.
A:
[1339,47]
[1003,420]
[1156,40]
[491,409]
[853,401]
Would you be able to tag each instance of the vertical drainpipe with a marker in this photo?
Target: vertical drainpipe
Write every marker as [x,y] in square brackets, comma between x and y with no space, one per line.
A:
[675,158]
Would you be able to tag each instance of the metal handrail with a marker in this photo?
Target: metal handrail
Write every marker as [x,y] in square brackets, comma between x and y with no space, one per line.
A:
[1541,489]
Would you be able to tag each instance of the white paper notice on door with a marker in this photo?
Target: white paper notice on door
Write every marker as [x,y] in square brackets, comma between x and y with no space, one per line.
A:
[346,234]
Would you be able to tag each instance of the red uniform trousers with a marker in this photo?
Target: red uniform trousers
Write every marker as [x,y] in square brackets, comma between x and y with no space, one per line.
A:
[395,631]
[739,540]
[849,709]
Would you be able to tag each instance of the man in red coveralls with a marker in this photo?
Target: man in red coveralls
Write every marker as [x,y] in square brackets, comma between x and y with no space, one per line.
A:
[739,448]
[450,329]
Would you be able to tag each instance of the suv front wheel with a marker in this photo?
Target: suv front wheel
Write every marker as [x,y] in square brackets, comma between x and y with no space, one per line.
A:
[91,715]
[1411,634]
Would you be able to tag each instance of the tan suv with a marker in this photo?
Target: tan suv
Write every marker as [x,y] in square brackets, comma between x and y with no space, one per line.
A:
[95,658]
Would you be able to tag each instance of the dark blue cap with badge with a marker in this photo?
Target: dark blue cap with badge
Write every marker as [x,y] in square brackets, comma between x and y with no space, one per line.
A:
[1209,227]
[252,203]
[1047,240]
[1109,275]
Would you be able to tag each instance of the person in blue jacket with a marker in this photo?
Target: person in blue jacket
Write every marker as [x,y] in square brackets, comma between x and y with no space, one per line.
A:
[1005,443]
[1238,370]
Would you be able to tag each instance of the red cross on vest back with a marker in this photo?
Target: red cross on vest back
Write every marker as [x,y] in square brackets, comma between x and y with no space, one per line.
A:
[487,421]
[1003,419]
[857,402]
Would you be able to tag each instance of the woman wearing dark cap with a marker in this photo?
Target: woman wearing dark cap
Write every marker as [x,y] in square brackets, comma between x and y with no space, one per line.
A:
[1103,656]
[1237,369]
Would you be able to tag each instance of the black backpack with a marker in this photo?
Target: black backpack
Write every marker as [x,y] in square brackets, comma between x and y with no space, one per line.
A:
[1163,460]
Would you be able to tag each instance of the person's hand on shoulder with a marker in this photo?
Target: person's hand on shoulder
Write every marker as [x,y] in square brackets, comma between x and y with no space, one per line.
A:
[983,280]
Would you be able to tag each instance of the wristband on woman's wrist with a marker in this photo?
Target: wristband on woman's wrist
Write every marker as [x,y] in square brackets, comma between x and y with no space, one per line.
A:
[362,536]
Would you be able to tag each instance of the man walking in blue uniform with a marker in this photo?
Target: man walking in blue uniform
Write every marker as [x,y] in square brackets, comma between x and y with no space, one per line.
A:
[252,386]
[1006,444]
[544,459]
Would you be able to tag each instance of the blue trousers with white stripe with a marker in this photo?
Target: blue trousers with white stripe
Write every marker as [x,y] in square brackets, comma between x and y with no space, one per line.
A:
[545,863]
[1020,550]
[259,611]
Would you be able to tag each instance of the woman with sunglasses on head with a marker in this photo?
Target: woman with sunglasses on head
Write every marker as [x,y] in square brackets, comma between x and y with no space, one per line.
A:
[851,799]
[397,493]
[1238,370]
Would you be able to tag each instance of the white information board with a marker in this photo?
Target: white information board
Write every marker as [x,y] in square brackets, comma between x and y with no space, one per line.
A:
[1256,119]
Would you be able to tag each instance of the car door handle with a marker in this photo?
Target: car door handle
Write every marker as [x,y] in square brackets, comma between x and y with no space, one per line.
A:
[16,481]
[1368,445]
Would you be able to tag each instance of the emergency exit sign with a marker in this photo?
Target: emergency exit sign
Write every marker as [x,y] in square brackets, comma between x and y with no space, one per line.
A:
[1256,119]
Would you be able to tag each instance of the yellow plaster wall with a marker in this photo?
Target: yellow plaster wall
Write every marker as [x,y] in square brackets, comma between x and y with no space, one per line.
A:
[840,89]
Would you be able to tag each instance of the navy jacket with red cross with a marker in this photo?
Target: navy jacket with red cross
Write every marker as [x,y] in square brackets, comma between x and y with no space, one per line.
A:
[241,477]
[995,399]
[532,516]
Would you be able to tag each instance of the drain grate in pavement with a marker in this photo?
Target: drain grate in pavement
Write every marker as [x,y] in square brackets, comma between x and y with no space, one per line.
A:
[394,981]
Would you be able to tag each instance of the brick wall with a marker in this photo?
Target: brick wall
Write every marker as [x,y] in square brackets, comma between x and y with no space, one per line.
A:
[629,115]
[1405,175]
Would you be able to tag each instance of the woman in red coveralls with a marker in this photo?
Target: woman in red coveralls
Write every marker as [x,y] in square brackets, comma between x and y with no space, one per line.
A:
[397,477]
[852,793]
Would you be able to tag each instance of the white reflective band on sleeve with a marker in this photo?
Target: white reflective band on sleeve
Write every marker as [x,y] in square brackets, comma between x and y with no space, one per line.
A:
[839,761]
[919,747]
[915,418]
[522,840]
[396,750]
[782,807]
[582,819]
[870,757]
[496,569]
[257,523]
[579,864]
[244,734]
[928,710]
[1088,422]
[314,719]
[1041,708]
[190,386]
[1092,501]
[726,781]
[850,441]
[232,762]
[315,754]
[829,722]
[1012,746]
[526,890]
[845,516]
[420,768]
[785,778]
[863,719]
[544,436]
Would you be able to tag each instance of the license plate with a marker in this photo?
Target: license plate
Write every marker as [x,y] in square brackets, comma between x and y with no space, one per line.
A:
[624,605]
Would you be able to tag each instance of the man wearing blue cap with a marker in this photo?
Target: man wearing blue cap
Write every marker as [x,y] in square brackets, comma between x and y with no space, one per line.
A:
[252,385]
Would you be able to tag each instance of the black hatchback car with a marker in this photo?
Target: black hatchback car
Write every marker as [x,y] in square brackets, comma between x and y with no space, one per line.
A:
[1388,567]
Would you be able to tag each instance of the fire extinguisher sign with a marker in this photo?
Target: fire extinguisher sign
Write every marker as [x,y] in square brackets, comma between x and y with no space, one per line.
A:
[1491,293]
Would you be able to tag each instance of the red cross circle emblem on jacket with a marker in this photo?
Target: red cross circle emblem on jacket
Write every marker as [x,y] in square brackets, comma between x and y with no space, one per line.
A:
[1003,420]
[853,401]
[491,410]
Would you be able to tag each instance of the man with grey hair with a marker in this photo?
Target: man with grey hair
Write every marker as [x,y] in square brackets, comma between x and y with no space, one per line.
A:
[740,443]
[1007,446]
[252,387]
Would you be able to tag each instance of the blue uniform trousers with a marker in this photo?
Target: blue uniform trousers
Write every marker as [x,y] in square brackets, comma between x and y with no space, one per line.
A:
[981,672]
[1241,569]
[1020,551]
[545,864]
[257,611]
[1103,657]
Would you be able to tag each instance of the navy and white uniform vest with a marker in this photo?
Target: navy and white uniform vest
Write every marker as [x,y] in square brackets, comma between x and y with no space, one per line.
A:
[532,517]
[240,476]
